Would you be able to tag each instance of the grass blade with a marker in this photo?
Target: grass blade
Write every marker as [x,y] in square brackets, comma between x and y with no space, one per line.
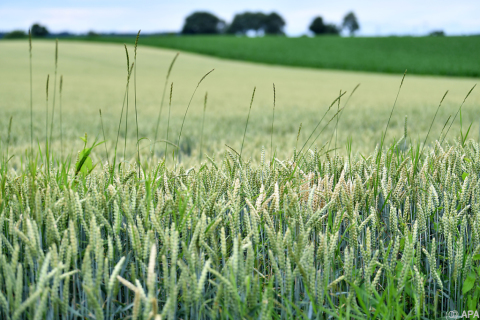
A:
[433,120]
[103,131]
[248,118]
[273,119]
[203,124]
[31,90]
[185,116]
[459,108]
[168,121]
[54,89]
[393,107]
[161,103]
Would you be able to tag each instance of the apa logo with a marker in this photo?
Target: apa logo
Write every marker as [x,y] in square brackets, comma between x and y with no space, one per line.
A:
[470,314]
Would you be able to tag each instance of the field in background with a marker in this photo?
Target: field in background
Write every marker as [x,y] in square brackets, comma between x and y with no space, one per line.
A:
[95,77]
[451,56]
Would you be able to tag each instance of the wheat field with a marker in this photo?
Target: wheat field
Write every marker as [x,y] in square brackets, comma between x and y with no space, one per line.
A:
[393,236]
[95,77]
[302,232]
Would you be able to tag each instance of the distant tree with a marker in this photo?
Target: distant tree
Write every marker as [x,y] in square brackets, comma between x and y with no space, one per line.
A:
[244,22]
[92,34]
[437,33]
[16,34]
[203,23]
[239,24]
[350,23]
[319,27]
[39,31]
[259,22]
[274,24]
[65,34]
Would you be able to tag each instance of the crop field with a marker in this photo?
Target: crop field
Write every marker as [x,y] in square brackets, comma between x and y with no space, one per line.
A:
[451,56]
[263,224]
[94,77]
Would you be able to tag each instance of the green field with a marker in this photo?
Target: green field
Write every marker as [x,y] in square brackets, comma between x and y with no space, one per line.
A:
[448,56]
[368,231]
[95,77]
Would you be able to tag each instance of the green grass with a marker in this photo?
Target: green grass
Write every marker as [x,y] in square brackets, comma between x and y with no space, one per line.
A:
[448,56]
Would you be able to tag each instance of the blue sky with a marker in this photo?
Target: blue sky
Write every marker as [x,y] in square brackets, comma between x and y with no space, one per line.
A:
[414,17]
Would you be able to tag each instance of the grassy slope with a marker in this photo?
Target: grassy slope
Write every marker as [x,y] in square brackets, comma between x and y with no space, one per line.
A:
[95,75]
[452,56]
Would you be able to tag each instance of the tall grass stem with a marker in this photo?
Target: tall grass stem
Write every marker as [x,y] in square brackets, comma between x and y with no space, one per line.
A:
[103,131]
[393,107]
[129,71]
[248,118]
[135,92]
[273,120]
[465,99]
[54,89]
[31,89]
[126,111]
[61,117]
[161,104]
[168,120]
[433,120]
[318,124]
[186,111]
[203,125]
[46,117]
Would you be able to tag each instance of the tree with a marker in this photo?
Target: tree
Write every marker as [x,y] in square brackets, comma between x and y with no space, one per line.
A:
[15,34]
[350,22]
[39,31]
[203,23]
[274,24]
[259,22]
[92,33]
[319,27]
[437,33]
[244,22]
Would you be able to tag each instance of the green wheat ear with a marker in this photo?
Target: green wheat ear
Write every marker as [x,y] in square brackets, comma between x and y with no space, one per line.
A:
[128,59]
[296,143]
[136,43]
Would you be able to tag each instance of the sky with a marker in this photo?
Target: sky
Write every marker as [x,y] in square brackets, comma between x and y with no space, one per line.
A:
[376,18]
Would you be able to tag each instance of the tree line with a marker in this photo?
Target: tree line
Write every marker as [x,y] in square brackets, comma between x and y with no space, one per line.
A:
[202,22]
[37,31]
[207,23]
